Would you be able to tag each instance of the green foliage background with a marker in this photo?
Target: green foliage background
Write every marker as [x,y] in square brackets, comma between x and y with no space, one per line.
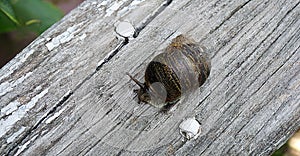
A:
[27,15]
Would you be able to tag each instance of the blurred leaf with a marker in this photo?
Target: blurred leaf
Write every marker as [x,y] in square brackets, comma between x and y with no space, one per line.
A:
[33,15]
[6,24]
[32,22]
[39,14]
[281,151]
[6,8]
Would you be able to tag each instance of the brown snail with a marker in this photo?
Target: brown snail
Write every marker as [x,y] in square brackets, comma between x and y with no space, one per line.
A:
[182,67]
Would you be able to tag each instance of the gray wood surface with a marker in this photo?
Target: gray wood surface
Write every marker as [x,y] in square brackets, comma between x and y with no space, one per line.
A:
[67,93]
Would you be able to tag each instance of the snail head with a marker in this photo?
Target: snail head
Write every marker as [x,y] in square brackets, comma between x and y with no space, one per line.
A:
[143,92]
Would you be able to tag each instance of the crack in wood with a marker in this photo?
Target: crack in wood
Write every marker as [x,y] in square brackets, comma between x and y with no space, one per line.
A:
[237,33]
[150,18]
[267,49]
[295,127]
[241,28]
[97,142]
[241,128]
[281,21]
[282,105]
[14,148]
[229,16]
[63,134]
[232,71]
[258,59]
[110,55]
[255,46]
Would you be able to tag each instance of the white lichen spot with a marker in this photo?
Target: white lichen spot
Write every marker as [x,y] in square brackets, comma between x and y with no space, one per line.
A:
[190,128]
[125,29]
[15,135]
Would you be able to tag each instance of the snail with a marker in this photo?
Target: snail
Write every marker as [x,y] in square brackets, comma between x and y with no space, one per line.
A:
[182,67]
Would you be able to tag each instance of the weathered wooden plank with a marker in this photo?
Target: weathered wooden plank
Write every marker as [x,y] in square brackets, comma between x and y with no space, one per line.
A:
[41,77]
[249,105]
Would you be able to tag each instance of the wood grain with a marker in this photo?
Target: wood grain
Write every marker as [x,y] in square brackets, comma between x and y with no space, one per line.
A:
[63,95]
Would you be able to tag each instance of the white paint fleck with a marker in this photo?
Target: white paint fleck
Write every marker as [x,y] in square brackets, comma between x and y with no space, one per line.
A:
[55,116]
[6,86]
[136,2]
[25,56]
[103,3]
[38,88]
[10,68]
[82,37]
[51,45]
[190,128]
[116,5]
[15,135]
[132,6]
[11,107]
[65,95]
[123,12]
[7,123]
[24,146]
[70,73]
[65,37]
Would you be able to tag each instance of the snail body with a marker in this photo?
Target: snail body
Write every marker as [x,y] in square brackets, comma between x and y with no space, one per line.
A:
[182,67]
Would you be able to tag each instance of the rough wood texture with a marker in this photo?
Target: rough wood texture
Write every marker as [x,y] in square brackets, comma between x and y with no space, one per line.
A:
[68,94]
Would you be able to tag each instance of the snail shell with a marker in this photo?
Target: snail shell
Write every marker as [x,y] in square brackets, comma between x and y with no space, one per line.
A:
[181,68]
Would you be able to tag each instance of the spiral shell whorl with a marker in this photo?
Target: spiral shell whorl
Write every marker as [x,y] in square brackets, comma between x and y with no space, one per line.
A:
[180,69]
